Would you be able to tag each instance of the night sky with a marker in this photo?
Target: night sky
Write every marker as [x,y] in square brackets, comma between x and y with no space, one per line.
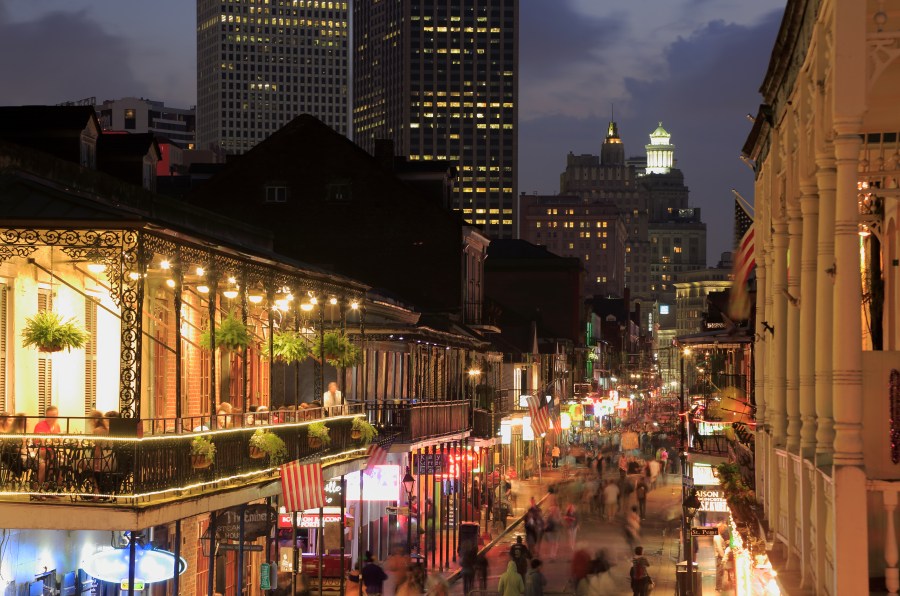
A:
[696,65]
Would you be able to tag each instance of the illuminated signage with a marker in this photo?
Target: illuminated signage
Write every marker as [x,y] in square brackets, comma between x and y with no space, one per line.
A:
[381,483]
[705,475]
[527,431]
[712,500]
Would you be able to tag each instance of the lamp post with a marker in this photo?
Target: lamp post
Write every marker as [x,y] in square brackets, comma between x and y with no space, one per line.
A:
[408,484]
[690,507]
[474,373]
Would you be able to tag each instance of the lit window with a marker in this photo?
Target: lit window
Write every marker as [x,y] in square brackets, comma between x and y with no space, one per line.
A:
[571,245]
[537,224]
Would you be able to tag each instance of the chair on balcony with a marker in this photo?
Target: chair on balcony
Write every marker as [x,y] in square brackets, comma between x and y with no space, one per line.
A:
[13,467]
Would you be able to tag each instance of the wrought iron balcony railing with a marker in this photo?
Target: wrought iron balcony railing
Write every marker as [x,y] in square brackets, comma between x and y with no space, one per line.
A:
[139,470]
[486,424]
[412,421]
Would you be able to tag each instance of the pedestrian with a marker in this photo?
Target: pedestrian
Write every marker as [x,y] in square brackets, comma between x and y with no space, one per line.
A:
[570,520]
[623,466]
[662,456]
[640,576]
[653,467]
[610,500]
[641,493]
[552,527]
[719,546]
[467,568]
[519,554]
[535,580]
[632,526]
[373,576]
[481,570]
[511,583]
[554,454]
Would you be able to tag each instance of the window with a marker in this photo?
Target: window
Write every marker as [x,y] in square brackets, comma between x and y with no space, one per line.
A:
[339,191]
[276,194]
[130,119]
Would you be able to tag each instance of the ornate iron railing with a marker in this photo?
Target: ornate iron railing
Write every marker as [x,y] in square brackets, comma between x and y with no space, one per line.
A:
[414,421]
[485,424]
[137,471]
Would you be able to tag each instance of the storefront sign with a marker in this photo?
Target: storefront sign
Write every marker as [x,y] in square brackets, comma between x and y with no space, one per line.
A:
[236,546]
[505,432]
[527,430]
[265,577]
[380,483]
[286,563]
[712,500]
[429,463]
[704,531]
[258,519]
[705,475]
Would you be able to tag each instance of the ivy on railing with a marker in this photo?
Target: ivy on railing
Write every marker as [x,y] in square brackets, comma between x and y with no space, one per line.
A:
[744,508]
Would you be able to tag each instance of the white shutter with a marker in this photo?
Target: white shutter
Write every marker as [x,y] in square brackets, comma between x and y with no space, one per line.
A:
[45,364]
[90,355]
[4,347]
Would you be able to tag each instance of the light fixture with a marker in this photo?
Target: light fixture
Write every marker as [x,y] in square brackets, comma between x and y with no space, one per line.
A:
[203,289]
[96,267]
[150,565]
[165,264]
[354,305]
[306,306]
[313,300]
[474,372]
[408,482]
[691,505]
[200,271]
[170,283]
[332,301]
[281,304]
[289,297]
[230,294]
[255,298]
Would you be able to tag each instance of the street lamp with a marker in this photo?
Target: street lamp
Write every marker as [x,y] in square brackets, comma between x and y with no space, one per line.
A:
[408,484]
[690,506]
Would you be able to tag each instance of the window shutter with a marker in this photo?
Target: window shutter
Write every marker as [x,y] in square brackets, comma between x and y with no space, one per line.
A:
[90,355]
[45,364]
[4,347]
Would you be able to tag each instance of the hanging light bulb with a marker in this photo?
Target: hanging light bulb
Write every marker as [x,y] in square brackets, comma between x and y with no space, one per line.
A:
[170,283]
[203,289]
[313,300]
[332,301]
[230,294]
[255,298]
[200,271]
[232,280]
[165,264]
[354,305]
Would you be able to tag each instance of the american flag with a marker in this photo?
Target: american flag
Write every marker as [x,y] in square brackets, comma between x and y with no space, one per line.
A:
[540,420]
[744,262]
[302,486]
[377,456]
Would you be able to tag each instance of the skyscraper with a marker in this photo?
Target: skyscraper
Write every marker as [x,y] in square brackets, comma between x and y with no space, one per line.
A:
[440,79]
[260,63]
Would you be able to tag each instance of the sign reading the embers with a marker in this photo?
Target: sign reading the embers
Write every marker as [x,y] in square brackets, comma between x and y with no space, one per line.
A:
[258,520]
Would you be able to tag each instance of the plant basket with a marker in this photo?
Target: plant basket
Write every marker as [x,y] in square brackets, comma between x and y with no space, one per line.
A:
[314,442]
[50,350]
[356,434]
[256,453]
[200,462]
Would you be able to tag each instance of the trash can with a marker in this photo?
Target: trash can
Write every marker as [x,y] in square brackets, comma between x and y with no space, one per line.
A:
[682,581]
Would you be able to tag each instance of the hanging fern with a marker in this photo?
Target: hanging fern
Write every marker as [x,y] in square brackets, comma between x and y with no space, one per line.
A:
[338,350]
[48,332]
[290,346]
[231,334]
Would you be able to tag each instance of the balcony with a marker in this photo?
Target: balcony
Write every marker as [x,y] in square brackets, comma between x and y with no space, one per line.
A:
[715,445]
[141,471]
[410,421]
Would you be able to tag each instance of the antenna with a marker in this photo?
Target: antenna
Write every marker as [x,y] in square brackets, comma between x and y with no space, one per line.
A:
[612,112]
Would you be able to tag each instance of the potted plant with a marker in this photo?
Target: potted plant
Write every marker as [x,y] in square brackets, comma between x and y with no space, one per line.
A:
[231,334]
[203,452]
[264,443]
[362,431]
[317,435]
[49,332]
[290,346]
[337,350]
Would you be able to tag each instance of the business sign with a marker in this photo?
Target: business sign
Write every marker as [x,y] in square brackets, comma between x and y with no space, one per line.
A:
[265,577]
[310,517]
[527,430]
[705,475]
[381,483]
[704,531]
[505,432]
[712,500]
[237,546]
[258,519]
[429,463]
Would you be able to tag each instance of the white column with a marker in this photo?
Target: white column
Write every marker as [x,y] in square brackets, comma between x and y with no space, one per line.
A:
[778,403]
[850,520]
[760,347]
[825,178]
[891,573]
[792,340]
[771,465]
[809,206]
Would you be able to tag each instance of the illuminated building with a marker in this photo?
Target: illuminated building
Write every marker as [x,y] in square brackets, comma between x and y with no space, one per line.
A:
[439,79]
[259,65]
[137,115]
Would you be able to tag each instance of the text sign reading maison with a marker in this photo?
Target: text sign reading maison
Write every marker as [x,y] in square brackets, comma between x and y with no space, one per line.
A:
[712,500]
[429,463]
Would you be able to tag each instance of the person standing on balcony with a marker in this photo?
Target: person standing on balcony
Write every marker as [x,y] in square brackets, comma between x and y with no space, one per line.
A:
[47,426]
[332,397]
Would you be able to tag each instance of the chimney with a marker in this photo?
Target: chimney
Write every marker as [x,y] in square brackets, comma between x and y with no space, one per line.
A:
[384,153]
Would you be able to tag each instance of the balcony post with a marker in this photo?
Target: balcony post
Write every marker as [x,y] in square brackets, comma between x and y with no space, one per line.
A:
[891,573]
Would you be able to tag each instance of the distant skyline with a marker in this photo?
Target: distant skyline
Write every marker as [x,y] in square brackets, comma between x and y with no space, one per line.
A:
[696,65]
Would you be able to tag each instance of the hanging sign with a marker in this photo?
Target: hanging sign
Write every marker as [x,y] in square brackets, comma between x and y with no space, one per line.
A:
[258,520]
[712,500]
[265,577]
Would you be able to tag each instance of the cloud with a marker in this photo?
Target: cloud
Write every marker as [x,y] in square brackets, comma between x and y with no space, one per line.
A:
[61,56]
[711,81]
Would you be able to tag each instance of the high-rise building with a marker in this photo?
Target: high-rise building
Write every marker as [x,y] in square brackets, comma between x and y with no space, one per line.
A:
[440,79]
[260,64]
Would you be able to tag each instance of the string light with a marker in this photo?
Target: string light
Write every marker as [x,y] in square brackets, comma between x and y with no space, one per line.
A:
[165,265]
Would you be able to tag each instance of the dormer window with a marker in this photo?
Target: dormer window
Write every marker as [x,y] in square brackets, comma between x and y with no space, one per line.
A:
[339,191]
[276,193]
